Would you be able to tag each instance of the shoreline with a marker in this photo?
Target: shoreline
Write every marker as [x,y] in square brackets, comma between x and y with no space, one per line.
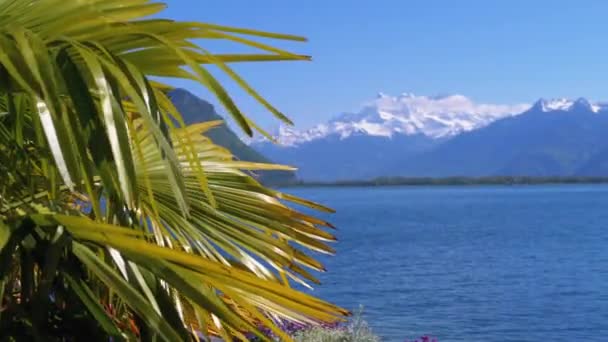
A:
[451,181]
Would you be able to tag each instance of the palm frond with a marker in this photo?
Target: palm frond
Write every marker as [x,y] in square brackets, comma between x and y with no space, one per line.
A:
[113,211]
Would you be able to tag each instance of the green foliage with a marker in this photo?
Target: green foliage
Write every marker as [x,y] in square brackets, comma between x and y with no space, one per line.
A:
[356,331]
[117,219]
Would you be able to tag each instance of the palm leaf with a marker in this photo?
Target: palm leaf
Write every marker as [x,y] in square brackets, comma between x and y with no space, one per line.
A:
[112,209]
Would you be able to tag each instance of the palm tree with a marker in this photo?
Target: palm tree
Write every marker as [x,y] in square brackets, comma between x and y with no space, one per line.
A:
[116,219]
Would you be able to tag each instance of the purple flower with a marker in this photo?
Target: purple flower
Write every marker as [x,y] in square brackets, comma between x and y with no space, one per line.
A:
[425,338]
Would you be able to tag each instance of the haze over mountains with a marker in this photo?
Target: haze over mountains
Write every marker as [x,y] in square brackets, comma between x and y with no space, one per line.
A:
[419,136]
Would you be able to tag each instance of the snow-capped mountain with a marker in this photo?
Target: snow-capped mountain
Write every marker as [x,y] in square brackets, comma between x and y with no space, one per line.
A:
[407,114]
[441,136]
[560,137]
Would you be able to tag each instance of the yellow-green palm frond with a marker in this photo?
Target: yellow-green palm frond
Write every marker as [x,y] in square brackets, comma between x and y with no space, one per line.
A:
[111,208]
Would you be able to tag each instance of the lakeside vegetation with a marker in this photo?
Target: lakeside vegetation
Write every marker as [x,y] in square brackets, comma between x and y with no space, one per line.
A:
[462,181]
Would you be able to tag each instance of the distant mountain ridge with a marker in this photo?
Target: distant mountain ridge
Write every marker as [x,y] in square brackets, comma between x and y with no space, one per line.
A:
[359,156]
[406,114]
[451,136]
[194,109]
[543,141]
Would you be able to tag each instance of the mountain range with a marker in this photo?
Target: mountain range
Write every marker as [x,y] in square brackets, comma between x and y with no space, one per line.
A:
[451,135]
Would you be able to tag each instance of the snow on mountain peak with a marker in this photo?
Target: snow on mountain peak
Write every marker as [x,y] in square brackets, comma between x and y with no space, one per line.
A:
[409,114]
[555,104]
[564,104]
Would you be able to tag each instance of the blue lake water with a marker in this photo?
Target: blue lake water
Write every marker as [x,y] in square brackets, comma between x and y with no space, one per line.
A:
[524,263]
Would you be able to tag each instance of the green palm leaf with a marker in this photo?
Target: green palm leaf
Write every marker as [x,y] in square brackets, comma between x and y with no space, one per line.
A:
[117,217]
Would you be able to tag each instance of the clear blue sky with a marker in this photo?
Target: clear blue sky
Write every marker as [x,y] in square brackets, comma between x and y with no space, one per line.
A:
[493,51]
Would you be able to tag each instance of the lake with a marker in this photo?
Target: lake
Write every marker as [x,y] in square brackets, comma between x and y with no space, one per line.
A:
[486,263]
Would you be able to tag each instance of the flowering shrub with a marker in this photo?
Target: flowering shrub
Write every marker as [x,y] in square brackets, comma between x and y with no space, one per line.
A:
[357,330]
[294,328]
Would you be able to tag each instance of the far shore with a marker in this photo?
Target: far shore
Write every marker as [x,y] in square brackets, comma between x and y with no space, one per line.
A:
[452,181]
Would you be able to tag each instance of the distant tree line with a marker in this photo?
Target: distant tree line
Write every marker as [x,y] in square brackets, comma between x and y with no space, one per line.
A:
[490,180]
